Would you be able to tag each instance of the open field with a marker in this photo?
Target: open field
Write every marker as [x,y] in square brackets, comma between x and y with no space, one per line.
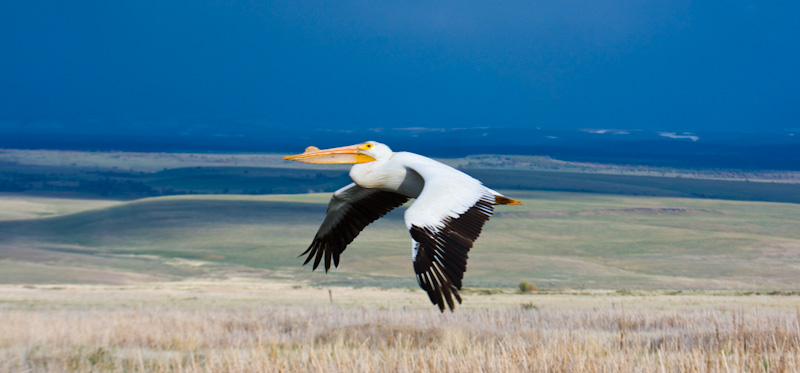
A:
[634,276]
[255,325]
[554,240]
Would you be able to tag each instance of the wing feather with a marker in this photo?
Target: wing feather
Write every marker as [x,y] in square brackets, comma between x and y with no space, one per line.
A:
[441,253]
[350,210]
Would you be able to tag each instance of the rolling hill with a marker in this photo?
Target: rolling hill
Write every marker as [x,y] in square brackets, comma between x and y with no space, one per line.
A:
[555,240]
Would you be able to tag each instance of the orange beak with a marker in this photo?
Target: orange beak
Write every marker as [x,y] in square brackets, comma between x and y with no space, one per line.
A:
[343,155]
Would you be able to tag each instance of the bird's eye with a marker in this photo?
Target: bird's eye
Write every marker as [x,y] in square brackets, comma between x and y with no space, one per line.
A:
[366,146]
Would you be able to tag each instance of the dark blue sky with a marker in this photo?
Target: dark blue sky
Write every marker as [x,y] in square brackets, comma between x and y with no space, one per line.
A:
[230,65]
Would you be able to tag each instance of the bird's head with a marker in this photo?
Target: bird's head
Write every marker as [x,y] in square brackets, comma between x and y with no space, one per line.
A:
[359,153]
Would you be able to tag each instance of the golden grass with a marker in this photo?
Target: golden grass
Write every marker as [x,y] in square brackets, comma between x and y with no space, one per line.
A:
[202,327]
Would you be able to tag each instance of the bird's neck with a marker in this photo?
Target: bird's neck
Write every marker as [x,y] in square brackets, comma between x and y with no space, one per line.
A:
[378,175]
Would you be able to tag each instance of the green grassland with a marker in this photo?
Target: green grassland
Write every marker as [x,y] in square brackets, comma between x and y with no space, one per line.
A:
[639,185]
[556,240]
[116,217]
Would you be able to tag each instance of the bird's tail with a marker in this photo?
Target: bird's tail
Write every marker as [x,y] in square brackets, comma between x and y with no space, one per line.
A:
[500,199]
[503,200]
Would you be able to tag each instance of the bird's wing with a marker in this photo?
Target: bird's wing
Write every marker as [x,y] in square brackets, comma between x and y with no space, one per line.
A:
[350,210]
[444,222]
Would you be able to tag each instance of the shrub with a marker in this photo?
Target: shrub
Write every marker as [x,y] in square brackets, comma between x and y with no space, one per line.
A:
[529,306]
[527,287]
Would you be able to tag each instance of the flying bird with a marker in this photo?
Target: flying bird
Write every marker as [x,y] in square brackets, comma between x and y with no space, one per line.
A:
[446,218]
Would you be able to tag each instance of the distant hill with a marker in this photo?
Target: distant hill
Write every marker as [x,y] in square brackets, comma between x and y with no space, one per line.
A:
[85,181]
[778,150]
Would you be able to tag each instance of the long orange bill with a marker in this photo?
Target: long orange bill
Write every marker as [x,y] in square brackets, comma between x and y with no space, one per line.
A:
[343,155]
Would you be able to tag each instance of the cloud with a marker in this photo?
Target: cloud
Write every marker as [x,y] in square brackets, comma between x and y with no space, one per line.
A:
[685,135]
[604,131]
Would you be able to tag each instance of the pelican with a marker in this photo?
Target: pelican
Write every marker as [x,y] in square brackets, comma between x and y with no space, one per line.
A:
[446,218]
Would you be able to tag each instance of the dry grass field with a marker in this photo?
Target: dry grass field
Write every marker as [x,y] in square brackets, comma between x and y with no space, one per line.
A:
[255,325]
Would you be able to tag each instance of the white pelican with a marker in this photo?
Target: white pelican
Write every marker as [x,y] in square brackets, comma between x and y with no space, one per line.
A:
[444,221]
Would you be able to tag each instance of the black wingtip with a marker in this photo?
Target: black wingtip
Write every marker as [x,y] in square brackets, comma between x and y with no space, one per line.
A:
[318,257]
[312,249]
[308,259]
[327,260]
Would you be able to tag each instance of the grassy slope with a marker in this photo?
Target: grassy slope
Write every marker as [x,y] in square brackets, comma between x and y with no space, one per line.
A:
[556,240]
[15,207]
[638,185]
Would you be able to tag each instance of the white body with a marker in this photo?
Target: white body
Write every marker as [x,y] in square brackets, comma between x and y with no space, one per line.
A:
[441,191]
